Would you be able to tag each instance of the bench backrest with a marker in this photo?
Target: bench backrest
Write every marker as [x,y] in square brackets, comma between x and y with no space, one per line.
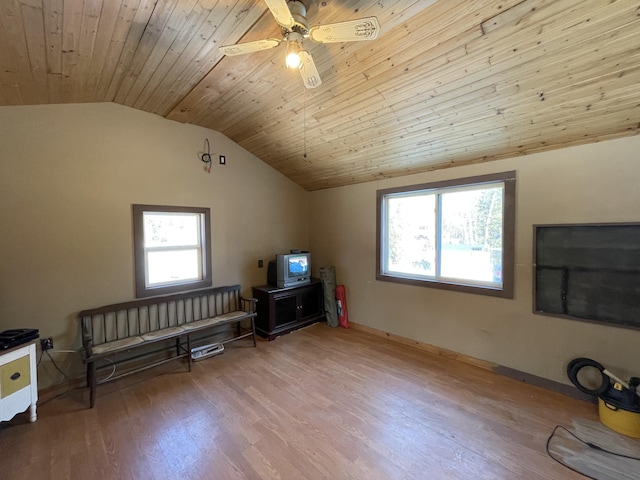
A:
[123,320]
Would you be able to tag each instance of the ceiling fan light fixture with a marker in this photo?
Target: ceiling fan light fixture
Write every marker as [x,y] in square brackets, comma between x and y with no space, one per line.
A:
[293,55]
[294,47]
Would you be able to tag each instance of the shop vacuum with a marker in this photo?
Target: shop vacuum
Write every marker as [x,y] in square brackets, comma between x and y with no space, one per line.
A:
[618,401]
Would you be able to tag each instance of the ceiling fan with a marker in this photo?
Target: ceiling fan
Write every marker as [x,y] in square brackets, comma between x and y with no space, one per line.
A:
[291,16]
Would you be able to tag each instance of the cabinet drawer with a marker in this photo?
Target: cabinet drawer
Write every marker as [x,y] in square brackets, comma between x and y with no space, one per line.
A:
[14,376]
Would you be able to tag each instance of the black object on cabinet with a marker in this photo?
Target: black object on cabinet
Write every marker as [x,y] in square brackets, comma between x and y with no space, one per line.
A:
[282,310]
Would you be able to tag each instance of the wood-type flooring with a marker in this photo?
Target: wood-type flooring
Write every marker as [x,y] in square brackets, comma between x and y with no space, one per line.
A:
[319,403]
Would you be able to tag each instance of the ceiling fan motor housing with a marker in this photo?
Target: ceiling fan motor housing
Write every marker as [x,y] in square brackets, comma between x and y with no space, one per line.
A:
[299,13]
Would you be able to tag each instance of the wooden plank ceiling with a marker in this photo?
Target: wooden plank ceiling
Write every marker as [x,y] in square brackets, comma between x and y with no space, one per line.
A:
[446,83]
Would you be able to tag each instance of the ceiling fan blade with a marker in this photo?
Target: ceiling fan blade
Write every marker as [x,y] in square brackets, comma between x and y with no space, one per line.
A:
[350,31]
[308,70]
[280,11]
[249,47]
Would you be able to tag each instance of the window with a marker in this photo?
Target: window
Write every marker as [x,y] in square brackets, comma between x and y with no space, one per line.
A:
[171,247]
[456,235]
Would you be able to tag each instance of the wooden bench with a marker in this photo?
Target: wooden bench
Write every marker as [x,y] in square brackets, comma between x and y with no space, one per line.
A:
[151,331]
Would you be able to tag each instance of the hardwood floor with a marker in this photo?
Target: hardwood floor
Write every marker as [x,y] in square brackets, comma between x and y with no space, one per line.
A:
[317,403]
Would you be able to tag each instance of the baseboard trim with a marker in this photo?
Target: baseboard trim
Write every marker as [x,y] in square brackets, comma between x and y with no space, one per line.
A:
[441,352]
[484,364]
[552,385]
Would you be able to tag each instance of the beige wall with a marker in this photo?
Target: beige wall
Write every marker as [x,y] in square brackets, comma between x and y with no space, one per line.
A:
[68,177]
[69,174]
[592,183]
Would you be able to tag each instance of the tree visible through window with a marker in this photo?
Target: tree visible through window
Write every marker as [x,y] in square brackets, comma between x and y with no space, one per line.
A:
[171,249]
[455,234]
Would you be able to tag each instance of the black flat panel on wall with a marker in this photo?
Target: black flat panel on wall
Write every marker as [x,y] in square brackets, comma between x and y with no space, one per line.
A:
[588,272]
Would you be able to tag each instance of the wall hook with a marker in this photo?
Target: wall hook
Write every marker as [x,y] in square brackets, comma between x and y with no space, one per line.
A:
[206,156]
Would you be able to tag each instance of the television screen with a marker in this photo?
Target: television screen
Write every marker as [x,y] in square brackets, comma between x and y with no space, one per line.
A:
[588,271]
[298,265]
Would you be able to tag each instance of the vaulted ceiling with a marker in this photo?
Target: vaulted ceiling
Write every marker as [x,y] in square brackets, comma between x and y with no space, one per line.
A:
[446,82]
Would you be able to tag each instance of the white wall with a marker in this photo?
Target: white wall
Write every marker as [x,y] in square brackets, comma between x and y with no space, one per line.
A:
[68,177]
[591,183]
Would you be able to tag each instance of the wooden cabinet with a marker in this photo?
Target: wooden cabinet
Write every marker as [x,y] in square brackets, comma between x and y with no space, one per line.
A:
[281,310]
[18,382]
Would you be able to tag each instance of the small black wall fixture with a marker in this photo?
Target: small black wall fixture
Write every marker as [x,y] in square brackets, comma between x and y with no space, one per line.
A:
[206,156]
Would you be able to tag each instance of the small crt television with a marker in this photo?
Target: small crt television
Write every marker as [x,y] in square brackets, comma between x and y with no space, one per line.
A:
[290,270]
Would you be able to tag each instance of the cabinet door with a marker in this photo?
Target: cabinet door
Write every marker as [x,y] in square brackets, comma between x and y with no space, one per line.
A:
[286,310]
[310,302]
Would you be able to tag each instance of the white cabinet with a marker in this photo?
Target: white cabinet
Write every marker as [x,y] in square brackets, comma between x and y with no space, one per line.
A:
[18,382]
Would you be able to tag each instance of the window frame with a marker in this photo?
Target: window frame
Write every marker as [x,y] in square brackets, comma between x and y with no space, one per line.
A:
[508,179]
[140,257]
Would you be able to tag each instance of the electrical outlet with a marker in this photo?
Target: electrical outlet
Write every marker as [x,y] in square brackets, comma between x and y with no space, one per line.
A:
[260,264]
[46,343]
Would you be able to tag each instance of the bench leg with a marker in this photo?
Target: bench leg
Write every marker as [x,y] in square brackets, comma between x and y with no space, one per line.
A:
[253,329]
[178,346]
[92,383]
[189,351]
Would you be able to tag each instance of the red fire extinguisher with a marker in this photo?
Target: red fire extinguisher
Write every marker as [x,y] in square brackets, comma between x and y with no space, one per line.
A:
[341,303]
